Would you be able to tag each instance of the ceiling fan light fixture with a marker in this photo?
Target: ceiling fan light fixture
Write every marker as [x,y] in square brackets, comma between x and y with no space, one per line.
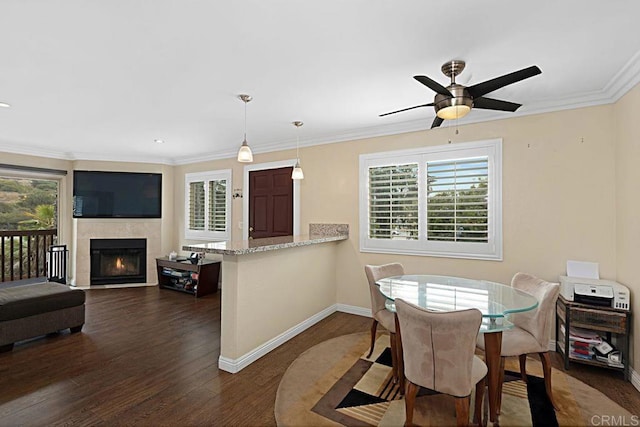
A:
[453,107]
[453,112]
[244,153]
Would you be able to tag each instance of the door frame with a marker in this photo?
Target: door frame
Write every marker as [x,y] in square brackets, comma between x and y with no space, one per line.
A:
[245,192]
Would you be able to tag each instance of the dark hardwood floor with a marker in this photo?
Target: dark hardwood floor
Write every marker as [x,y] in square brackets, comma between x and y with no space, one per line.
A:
[149,357]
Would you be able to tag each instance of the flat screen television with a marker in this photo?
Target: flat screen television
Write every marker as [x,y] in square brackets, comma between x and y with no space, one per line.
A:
[99,194]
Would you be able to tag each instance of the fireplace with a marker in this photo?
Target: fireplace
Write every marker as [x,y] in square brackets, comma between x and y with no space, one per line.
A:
[116,261]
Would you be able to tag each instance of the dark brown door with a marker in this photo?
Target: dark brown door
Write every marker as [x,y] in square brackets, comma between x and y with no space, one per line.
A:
[270,203]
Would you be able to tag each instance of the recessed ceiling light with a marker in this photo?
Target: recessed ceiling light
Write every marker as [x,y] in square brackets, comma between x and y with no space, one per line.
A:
[158,141]
[4,104]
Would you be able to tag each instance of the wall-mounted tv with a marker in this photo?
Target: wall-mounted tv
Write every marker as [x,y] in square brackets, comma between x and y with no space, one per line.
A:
[99,194]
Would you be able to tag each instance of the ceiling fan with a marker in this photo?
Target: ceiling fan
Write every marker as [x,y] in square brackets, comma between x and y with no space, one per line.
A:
[456,100]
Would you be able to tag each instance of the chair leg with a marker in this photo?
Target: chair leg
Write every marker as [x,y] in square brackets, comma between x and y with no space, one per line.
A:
[523,367]
[546,368]
[409,402]
[477,413]
[394,356]
[399,362]
[501,381]
[374,327]
[462,410]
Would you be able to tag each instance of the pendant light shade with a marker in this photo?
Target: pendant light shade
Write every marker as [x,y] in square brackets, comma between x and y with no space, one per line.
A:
[297,170]
[244,153]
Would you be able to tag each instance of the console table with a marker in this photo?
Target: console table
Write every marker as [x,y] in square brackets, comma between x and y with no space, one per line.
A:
[181,275]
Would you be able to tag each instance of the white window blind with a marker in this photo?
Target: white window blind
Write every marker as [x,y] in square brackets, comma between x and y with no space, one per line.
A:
[440,200]
[457,200]
[208,205]
[393,202]
[217,205]
[196,205]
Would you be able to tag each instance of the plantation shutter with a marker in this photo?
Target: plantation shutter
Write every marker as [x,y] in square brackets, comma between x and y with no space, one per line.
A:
[207,205]
[457,200]
[196,205]
[393,202]
[218,205]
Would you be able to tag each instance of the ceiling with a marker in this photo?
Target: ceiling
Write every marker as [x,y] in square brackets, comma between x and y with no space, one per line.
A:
[101,80]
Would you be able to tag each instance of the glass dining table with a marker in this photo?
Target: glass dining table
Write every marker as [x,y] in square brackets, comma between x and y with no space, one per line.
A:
[445,293]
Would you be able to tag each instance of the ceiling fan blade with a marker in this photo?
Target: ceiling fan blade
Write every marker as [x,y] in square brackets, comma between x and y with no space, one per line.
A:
[407,109]
[433,85]
[436,122]
[495,104]
[483,88]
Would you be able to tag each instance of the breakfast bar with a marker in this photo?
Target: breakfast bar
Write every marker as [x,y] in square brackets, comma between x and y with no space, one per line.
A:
[273,289]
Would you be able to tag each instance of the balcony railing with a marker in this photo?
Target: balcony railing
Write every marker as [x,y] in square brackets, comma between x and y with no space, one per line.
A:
[24,253]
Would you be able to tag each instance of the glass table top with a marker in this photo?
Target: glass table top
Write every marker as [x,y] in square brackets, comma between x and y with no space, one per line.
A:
[445,293]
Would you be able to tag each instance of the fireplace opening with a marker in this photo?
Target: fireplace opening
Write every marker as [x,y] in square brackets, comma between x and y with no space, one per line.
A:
[116,261]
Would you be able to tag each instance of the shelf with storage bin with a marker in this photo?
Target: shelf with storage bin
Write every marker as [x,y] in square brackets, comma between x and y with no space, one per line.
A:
[181,275]
[611,324]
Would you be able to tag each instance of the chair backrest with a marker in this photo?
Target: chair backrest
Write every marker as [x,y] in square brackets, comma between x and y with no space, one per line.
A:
[377,272]
[438,347]
[536,321]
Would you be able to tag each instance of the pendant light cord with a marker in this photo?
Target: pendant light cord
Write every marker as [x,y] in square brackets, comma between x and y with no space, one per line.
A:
[298,144]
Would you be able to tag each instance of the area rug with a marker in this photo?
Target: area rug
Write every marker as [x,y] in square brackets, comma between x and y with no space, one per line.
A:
[334,383]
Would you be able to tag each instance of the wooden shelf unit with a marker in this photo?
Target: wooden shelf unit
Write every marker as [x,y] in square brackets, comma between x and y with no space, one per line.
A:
[196,279]
[614,323]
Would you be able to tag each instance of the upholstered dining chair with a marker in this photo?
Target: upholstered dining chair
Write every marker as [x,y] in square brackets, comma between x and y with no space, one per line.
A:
[380,313]
[438,350]
[532,329]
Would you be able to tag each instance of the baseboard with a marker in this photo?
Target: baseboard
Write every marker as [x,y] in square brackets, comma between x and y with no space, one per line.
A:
[236,365]
[352,309]
[635,379]
[116,286]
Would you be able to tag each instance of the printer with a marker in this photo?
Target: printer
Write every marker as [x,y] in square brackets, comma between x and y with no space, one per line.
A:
[600,292]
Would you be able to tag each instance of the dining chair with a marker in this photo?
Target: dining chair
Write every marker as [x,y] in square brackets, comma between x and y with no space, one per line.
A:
[438,350]
[532,329]
[378,310]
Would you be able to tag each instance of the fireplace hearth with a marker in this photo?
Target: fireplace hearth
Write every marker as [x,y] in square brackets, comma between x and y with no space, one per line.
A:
[116,261]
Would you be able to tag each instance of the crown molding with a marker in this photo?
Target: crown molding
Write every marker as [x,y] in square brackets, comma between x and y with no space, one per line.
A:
[625,79]
[77,155]
[131,158]
[17,148]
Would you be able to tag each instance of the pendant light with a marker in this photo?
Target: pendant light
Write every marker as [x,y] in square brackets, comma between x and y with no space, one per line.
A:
[297,170]
[244,153]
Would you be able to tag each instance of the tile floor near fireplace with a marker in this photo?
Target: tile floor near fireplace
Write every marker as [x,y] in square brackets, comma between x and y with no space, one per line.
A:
[118,261]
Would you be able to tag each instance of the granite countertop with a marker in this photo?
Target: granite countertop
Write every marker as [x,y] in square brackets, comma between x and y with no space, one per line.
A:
[319,233]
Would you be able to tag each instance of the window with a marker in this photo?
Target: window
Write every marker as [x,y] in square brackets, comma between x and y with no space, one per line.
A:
[208,205]
[436,201]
